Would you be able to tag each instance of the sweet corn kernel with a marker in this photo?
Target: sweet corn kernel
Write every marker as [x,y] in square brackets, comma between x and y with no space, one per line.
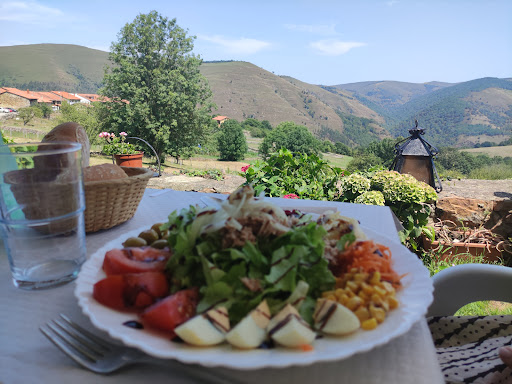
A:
[362,313]
[354,287]
[393,302]
[353,303]
[369,324]
[375,279]
[380,291]
[378,313]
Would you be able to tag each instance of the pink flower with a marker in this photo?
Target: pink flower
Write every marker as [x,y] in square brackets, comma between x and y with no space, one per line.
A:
[112,135]
[245,168]
[123,134]
[290,196]
[104,134]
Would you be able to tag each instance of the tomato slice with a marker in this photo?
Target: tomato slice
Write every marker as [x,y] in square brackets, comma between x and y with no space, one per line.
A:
[135,260]
[168,313]
[131,290]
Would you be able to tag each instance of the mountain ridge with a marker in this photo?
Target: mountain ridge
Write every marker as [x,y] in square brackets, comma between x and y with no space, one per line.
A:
[355,113]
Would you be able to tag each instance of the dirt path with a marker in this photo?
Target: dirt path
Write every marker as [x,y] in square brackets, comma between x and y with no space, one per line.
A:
[478,189]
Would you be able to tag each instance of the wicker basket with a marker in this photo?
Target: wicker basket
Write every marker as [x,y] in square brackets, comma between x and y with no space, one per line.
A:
[110,203]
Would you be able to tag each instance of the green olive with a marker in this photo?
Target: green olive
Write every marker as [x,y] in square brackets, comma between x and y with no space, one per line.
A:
[159,244]
[150,235]
[135,242]
[164,234]
[156,227]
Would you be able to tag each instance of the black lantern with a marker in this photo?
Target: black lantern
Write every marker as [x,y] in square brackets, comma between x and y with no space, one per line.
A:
[415,156]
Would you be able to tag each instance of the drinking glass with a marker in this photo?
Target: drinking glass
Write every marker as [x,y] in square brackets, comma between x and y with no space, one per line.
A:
[42,206]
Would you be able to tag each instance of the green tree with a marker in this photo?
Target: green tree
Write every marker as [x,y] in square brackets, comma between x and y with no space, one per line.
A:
[85,115]
[383,149]
[46,110]
[28,113]
[231,141]
[294,137]
[157,92]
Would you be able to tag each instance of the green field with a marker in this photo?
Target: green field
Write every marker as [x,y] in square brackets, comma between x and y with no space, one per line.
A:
[503,151]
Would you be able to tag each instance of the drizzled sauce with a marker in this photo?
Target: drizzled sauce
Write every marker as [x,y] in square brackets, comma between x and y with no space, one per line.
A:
[133,324]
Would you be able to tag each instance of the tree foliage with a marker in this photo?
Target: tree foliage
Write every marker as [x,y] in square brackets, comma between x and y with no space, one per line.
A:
[294,137]
[231,141]
[28,113]
[157,91]
[85,115]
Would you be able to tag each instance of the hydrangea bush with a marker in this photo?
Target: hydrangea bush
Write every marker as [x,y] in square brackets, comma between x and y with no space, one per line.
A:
[370,198]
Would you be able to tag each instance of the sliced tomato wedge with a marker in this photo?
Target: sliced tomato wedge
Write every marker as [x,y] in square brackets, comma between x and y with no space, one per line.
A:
[131,291]
[168,313]
[135,260]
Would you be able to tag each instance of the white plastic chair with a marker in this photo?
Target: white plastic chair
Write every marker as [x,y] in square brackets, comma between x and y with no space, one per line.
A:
[459,285]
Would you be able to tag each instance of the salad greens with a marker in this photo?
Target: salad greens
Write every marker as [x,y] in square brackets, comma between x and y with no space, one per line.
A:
[288,267]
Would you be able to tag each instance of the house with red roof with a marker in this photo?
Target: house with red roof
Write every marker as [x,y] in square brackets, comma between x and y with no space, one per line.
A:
[69,97]
[92,97]
[220,119]
[16,98]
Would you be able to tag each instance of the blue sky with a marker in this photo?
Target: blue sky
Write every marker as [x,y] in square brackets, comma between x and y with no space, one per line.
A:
[316,41]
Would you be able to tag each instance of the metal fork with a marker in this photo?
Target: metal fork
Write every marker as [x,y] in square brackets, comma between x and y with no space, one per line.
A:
[99,356]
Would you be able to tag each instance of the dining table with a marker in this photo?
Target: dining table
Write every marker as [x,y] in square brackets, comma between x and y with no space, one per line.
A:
[26,356]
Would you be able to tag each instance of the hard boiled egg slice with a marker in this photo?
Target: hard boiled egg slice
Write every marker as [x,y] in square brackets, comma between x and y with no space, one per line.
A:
[250,332]
[334,318]
[288,329]
[206,329]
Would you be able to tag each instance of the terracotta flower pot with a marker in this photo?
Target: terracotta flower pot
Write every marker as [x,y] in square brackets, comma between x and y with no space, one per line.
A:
[134,161]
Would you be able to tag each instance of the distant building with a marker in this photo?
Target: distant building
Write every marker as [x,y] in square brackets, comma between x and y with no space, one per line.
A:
[69,97]
[220,119]
[15,98]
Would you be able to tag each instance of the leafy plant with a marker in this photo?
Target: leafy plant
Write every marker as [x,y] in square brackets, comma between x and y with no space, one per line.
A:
[117,145]
[409,199]
[370,198]
[307,176]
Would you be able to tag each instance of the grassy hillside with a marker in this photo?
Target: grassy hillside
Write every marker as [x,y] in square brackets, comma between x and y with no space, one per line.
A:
[242,90]
[391,94]
[462,115]
[45,67]
[501,151]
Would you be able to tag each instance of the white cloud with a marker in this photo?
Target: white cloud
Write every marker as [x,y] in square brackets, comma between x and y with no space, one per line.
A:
[311,28]
[334,47]
[391,3]
[240,46]
[29,12]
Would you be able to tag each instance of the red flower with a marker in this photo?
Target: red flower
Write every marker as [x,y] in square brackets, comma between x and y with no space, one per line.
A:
[290,196]
[245,168]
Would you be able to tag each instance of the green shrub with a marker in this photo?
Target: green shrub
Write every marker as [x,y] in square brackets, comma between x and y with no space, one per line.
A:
[409,199]
[307,176]
[354,185]
[492,172]
[370,198]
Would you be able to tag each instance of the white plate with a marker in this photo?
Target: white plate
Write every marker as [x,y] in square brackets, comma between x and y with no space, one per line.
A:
[414,297]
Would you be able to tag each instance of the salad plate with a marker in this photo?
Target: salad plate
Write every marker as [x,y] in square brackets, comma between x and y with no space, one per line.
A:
[414,297]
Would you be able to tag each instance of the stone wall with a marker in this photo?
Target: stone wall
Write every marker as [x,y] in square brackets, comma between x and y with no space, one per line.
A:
[13,101]
[495,215]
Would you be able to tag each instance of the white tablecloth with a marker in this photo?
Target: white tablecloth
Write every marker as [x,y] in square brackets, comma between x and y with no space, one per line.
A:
[26,356]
